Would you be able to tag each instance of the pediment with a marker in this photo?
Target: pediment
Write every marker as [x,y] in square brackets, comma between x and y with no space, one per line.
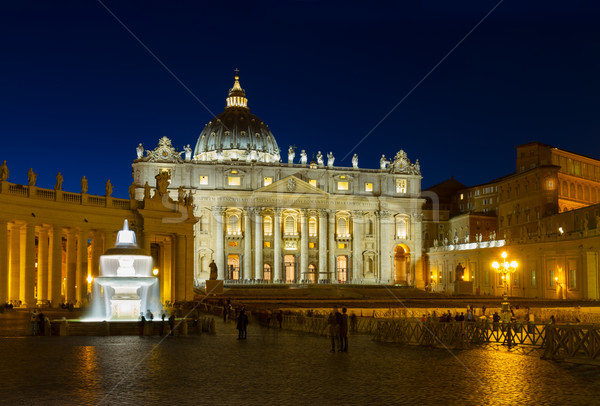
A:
[291,184]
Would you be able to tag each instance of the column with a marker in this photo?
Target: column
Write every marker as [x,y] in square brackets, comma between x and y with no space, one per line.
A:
[357,236]
[386,235]
[15,262]
[247,244]
[180,267]
[42,268]
[189,267]
[71,267]
[147,242]
[332,273]
[3,262]
[416,256]
[303,246]
[82,265]
[277,245]
[96,252]
[28,281]
[258,244]
[322,245]
[168,271]
[220,252]
[108,239]
[55,274]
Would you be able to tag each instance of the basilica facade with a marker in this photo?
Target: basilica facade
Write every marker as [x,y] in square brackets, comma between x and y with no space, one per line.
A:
[262,220]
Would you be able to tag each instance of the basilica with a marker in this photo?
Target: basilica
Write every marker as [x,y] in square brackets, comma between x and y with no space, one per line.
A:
[262,220]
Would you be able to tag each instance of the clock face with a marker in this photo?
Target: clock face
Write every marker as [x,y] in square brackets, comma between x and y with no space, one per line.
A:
[165,153]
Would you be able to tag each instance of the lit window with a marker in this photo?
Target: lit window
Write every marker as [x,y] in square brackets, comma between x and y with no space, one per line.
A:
[234,172]
[342,227]
[204,180]
[312,227]
[341,246]
[342,186]
[267,181]
[233,243]
[267,244]
[400,185]
[368,187]
[401,228]
[233,225]
[290,225]
[268,225]
[462,196]
[311,245]
[233,181]
[313,182]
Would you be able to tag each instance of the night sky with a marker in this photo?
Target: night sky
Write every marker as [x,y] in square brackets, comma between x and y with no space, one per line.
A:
[78,92]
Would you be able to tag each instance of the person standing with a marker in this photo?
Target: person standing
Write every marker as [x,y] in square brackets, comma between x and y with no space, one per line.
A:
[242,322]
[334,327]
[33,322]
[280,317]
[142,325]
[343,331]
[41,324]
[172,323]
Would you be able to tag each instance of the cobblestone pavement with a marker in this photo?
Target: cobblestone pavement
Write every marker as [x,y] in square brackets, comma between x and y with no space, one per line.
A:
[274,367]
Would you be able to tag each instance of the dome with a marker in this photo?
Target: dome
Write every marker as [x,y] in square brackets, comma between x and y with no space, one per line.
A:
[236,134]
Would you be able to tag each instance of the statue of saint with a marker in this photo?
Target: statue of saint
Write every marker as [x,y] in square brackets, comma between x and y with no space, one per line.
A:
[180,194]
[383,163]
[330,159]
[291,154]
[213,270]
[319,158]
[108,188]
[84,185]
[355,161]
[146,191]
[417,167]
[31,177]
[3,171]
[140,151]
[189,199]
[162,182]
[188,152]
[59,181]
[303,157]
[132,191]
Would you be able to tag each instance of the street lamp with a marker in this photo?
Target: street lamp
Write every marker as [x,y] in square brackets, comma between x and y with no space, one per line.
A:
[505,268]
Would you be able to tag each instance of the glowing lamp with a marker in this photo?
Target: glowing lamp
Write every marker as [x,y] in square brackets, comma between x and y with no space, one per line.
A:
[90,279]
[155,271]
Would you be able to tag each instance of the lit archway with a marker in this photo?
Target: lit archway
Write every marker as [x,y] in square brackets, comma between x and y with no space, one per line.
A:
[401,264]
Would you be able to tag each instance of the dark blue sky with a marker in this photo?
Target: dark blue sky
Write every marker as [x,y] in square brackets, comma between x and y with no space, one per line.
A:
[78,92]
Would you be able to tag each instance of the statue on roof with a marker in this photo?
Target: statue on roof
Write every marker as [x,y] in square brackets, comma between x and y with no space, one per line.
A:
[162,182]
[3,171]
[303,157]
[140,151]
[84,185]
[319,158]
[330,159]
[355,161]
[291,154]
[108,188]
[59,181]
[383,162]
[188,152]
[31,177]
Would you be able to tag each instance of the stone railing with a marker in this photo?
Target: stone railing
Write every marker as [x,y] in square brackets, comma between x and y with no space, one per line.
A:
[33,192]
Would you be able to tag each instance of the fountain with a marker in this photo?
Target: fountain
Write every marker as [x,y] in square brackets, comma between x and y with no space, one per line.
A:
[125,287]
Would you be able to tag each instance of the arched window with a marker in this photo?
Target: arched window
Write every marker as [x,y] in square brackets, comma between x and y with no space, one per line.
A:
[267,275]
[268,225]
[572,191]
[233,227]
[401,229]
[312,273]
[586,195]
[342,226]
[565,189]
[579,192]
[312,227]
[290,225]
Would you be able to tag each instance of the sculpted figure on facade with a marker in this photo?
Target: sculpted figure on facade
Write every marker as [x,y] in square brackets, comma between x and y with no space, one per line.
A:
[59,181]
[417,167]
[140,151]
[330,159]
[146,191]
[31,177]
[355,161]
[180,194]
[84,185]
[108,188]
[189,199]
[3,171]
[383,163]
[303,157]
[188,152]
[213,270]
[162,183]
[291,154]
[132,191]
[319,158]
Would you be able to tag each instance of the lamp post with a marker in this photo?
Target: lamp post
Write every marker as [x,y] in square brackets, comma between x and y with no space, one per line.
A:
[506,269]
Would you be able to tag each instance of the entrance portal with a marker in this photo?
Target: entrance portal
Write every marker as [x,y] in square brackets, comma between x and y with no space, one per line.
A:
[401,265]
[290,268]
[233,267]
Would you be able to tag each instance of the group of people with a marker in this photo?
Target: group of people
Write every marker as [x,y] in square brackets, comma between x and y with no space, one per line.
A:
[149,317]
[338,329]
[39,324]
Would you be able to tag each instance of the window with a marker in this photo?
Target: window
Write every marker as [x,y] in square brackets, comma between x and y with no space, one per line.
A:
[341,246]
[267,244]
[400,185]
[203,180]
[477,192]
[233,180]
[312,227]
[572,279]
[342,185]
[551,277]
[233,243]
[312,273]
[268,226]
[290,225]
[533,278]
[313,182]
[267,181]
[342,227]
[233,226]
[342,268]
[401,228]
[368,187]
[462,196]
[311,245]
